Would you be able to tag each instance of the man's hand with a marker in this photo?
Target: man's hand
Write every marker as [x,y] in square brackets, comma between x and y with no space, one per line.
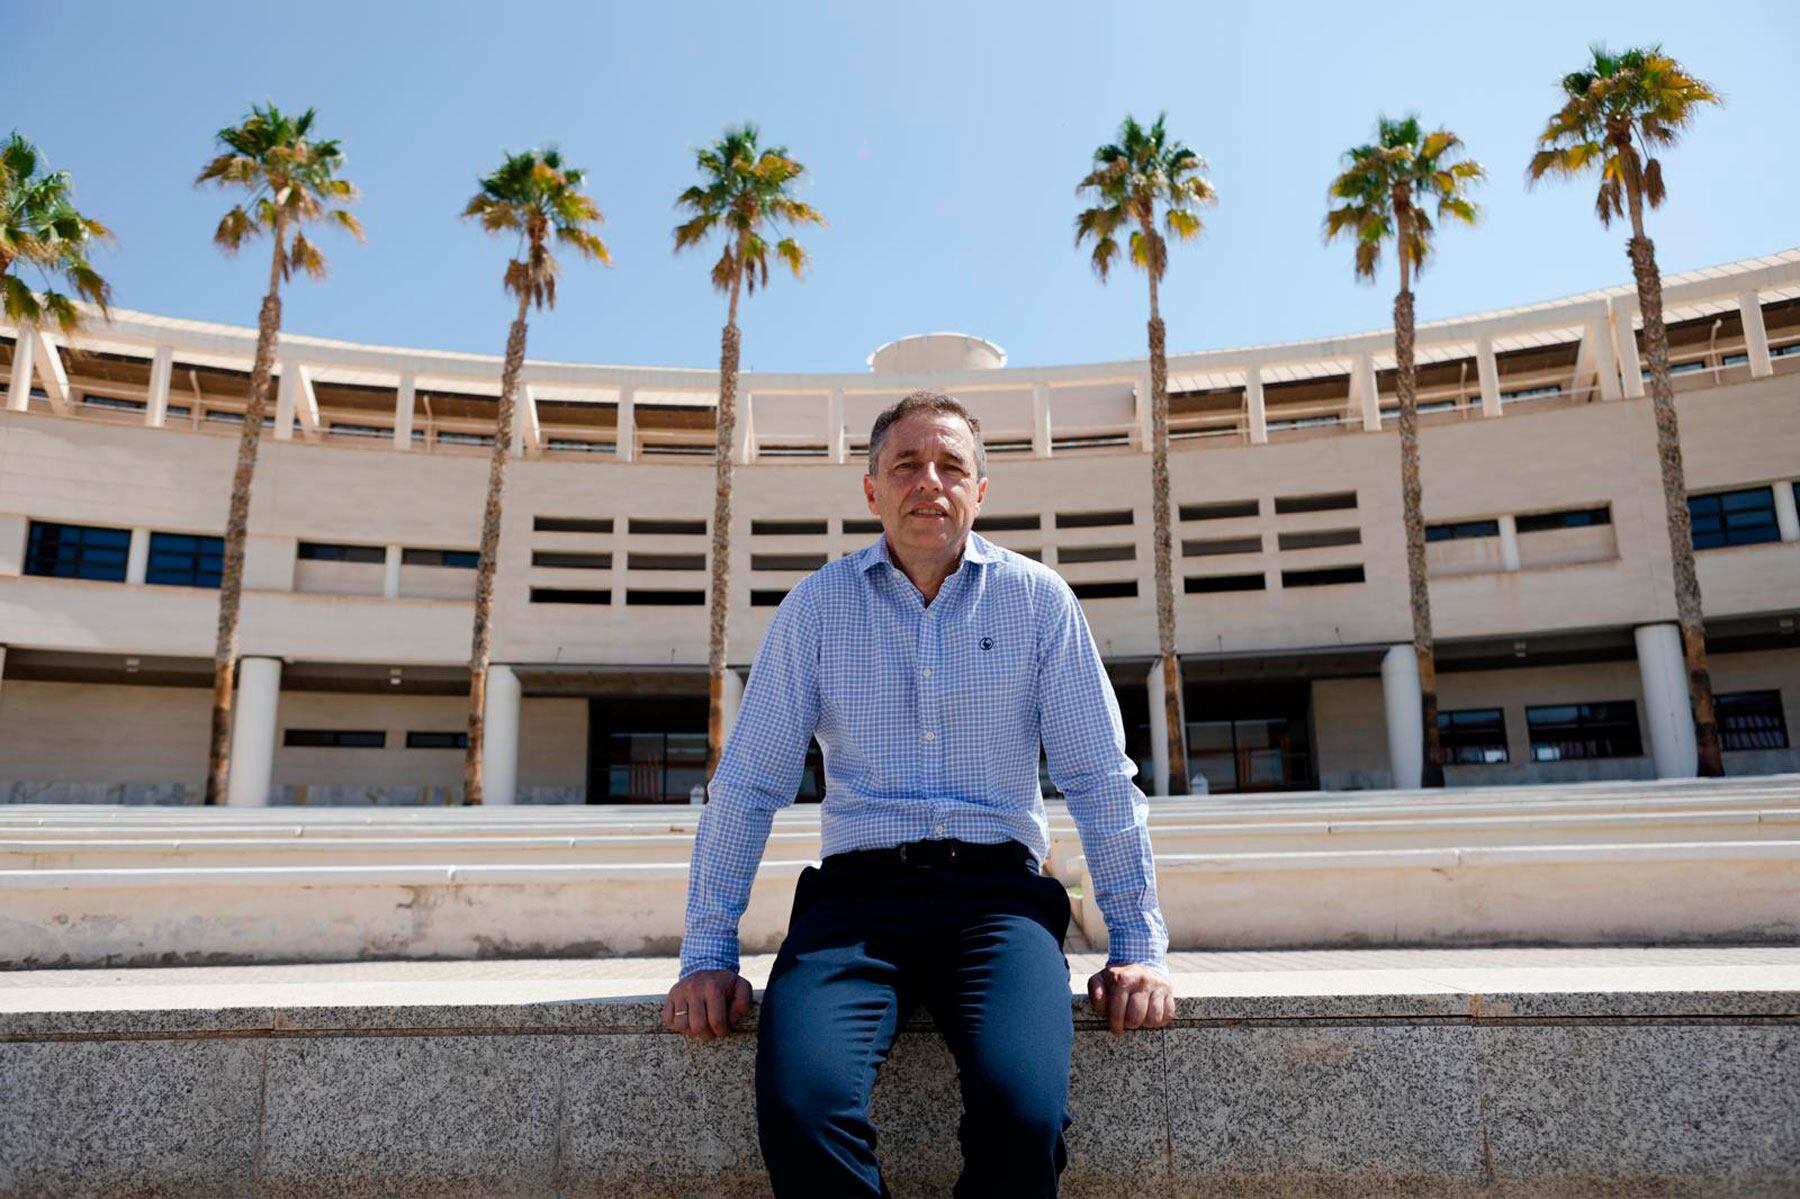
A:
[707,1003]
[1133,996]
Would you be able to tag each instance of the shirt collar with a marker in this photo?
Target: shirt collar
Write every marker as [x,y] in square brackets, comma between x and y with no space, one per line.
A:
[976,549]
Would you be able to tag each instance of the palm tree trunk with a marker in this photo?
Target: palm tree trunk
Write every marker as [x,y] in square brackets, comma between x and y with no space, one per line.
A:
[1431,772]
[1711,762]
[719,600]
[490,548]
[1161,548]
[237,520]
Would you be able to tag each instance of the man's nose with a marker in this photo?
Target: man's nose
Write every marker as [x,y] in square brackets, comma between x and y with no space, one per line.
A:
[929,478]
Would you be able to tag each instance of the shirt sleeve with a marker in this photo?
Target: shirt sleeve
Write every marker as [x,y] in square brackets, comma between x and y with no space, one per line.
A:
[758,773]
[1084,743]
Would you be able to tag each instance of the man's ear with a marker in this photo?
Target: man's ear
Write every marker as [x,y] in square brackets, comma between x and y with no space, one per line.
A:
[869,493]
[980,492]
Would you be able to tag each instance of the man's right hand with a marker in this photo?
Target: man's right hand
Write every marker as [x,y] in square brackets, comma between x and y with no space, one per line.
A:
[707,1003]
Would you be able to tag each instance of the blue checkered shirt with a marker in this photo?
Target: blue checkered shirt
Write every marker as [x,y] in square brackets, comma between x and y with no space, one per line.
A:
[930,719]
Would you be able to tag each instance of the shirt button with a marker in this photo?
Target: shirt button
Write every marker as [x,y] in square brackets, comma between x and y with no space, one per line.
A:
[939,827]
[928,672]
[930,736]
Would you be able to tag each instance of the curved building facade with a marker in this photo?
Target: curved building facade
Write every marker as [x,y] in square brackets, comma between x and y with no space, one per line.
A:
[1549,555]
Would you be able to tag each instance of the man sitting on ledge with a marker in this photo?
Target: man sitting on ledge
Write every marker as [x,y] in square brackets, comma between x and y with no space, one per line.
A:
[930,665]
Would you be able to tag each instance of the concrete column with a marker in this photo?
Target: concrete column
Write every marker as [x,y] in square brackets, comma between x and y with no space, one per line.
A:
[526,434]
[1787,519]
[625,442]
[137,558]
[1631,368]
[18,388]
[837,444]
[1146,417]
[404,399]
[1756,336]
[1258,410]
[743,450]
[731,699]
[500,739]
[390,574]
[1405,715]
[156,402]
[1488,371]
[1667,710]
[1159,731]
[1509,541]
[286,391]
[1364,393]
[1040,420]
[253,732]
[1606,360]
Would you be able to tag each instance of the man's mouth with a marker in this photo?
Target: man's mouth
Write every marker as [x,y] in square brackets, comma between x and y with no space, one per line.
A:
[929,513]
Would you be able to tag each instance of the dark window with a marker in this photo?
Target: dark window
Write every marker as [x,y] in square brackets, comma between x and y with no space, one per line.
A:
[461,559]
[1473,737]
[1570,518]
[94,401]
[571,524]
[1566,732]
[639,561]
[570,595]
[1036,555]
[1007,524]
[335,739]
[1223,510]
[571,560]
[185,560]
[1752,720]
[1734,518]
[319,551]
[862,526]
[786,561]
[1461,529]
[666,527]
[1203,584]
[1097,553]
[666,599]
[1317,538]
[1127,590]
[766,598]
[1093,520]
[435,740]
[782,528]
[1214,546]
[1324,576]
[1323,502]
[77,552]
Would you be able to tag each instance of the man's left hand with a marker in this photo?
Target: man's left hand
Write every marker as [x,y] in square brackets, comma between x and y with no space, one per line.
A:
[1134,996]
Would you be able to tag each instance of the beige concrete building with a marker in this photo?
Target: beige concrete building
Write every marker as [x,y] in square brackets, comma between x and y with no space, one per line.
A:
[1550,561]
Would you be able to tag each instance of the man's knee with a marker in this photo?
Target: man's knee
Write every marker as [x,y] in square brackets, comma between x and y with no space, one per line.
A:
[1021,1117]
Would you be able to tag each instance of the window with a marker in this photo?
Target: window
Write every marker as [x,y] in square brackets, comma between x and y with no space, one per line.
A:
[666,599]
[1569,518]
[460,559]
[1725,518]
[318,551]
[1325,502]
[637,561]
[1087,591]
[1752,720]
[783,528]
[571,595]
[571,524]
[185,560]
[1005,524]
[1097,553]
[1093,520]
[1567,732]
[1204,584]
[1473,737]
[1223,510]
[864,526]
[77,552]
[1211,547]
[334,739]
[1324,576]
[766,598]
[435,740]
[1317,538]
[571,560]
[667,528]
[1461,529]
[786,561]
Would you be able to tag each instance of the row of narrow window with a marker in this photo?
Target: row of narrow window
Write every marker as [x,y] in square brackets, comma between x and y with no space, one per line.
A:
[1748,720]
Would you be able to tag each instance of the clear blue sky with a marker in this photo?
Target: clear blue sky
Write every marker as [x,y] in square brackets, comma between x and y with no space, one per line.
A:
[943,141]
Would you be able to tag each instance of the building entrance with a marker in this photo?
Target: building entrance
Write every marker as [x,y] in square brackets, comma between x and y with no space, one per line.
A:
[652,749]
[1251,736]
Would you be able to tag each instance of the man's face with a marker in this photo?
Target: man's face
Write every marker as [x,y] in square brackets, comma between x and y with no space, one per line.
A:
[925,490]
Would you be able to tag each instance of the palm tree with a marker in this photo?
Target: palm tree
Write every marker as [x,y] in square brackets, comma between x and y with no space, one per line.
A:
[1619,111]
[745,193]
[290,180]
[1133,177]
[40,227]
[536,197]
[1377,197]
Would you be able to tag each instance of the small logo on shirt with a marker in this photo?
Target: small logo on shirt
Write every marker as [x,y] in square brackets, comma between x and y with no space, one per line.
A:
[987,643]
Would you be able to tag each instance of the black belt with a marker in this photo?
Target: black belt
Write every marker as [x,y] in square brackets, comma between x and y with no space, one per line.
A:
[936,854]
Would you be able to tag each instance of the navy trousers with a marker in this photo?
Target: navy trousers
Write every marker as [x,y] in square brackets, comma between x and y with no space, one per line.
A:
[982,950]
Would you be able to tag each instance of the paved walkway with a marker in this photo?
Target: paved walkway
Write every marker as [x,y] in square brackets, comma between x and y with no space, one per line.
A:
[1295,973]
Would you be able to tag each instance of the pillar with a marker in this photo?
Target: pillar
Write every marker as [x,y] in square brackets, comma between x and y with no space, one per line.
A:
[390,573]
[1756,336]
[625,440]
[1488,371]
[18,388]
[837,446]
[287,390]
[1146,414]
[1631,367]
[1365,394]
[743,449]
[1668,713]
[253,732]
[1405,715]
[404,401]
[1159,731]
[1787,519]
[500,738]
[1257,409]
[1040,420]
[137,558]
[1509,541]
[156,400]
[1606,362]
[731,698]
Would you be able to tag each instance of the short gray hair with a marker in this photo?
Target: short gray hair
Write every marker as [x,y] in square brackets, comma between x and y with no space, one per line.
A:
[925,401]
